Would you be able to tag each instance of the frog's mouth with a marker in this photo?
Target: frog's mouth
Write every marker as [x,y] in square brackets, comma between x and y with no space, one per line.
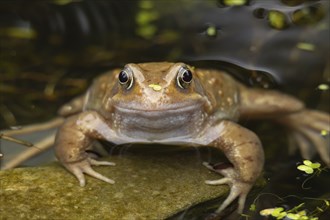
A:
[158,119]
[161,112]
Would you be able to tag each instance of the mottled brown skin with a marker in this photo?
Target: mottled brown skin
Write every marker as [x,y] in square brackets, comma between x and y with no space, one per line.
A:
[201,112]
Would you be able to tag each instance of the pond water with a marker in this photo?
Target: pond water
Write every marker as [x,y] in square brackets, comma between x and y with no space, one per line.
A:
[51,50]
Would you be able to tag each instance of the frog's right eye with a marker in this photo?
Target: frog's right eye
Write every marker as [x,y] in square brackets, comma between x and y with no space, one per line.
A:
[125,78]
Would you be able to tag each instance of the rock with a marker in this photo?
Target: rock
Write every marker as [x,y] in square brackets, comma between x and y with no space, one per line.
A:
[152,185]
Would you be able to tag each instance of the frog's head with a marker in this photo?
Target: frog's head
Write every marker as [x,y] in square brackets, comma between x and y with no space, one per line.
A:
[158,95]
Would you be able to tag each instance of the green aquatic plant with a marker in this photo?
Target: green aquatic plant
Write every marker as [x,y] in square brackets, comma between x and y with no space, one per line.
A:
[234,2]
[279,213]
[306,46]
[145,18]
[298,212]
[277,19]
[309,167]
[211,31]
[323,87]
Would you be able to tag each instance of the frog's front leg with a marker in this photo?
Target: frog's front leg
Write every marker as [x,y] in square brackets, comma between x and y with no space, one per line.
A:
[243,149]
[74,137]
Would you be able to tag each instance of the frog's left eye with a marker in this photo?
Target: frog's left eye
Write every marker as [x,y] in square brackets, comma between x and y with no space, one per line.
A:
[125,78]
[184,77]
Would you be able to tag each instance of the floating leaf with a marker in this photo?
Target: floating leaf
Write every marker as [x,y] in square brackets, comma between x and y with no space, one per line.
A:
[306,46]
[307,162]
[312,165]
[211,31]
[266,212]
[277,19]
[234,2]
[293,216]
[302,213]
[308,166]
[281,215]
[306,169]
[315,165]
[323,87]
[252,207]
[278,212]
[324,132]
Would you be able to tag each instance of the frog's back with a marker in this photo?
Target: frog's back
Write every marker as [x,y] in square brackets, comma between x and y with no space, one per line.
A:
[98,96]
[94,98]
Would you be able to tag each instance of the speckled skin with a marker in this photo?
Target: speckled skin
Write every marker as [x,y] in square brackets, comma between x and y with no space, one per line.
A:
[204,113]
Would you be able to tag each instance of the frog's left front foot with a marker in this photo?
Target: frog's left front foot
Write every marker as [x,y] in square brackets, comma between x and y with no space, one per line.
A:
[79,168]
[238,188]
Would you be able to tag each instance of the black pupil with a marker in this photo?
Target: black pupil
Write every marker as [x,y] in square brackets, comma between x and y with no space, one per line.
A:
[187,76]
[123,77]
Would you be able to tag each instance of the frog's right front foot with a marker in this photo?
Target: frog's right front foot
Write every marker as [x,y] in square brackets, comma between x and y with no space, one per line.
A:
[74,138]
[85,166]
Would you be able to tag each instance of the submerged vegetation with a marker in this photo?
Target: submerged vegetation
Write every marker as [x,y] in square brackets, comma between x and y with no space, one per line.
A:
[298,212]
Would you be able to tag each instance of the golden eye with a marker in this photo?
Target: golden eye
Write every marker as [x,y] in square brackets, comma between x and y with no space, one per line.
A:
[126,78]
[184,77]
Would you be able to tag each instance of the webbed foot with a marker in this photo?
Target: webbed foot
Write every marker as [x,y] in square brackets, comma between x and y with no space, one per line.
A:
[85,166]
[238,188]
[310,129]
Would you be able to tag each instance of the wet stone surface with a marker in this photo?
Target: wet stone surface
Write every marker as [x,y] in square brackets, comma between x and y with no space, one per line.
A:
[152,186]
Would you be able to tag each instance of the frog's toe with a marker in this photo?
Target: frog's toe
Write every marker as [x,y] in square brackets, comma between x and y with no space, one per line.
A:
[101,163]
[303,144]
[76,171]
[238,189]
[79,168]
[88,170]
[321,145]
[310,129]
[314,133]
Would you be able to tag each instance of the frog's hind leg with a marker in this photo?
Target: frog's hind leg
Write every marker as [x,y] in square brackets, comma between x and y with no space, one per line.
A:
[310,128]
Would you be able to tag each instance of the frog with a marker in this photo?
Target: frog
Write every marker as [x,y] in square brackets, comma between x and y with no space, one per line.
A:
[178,104]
